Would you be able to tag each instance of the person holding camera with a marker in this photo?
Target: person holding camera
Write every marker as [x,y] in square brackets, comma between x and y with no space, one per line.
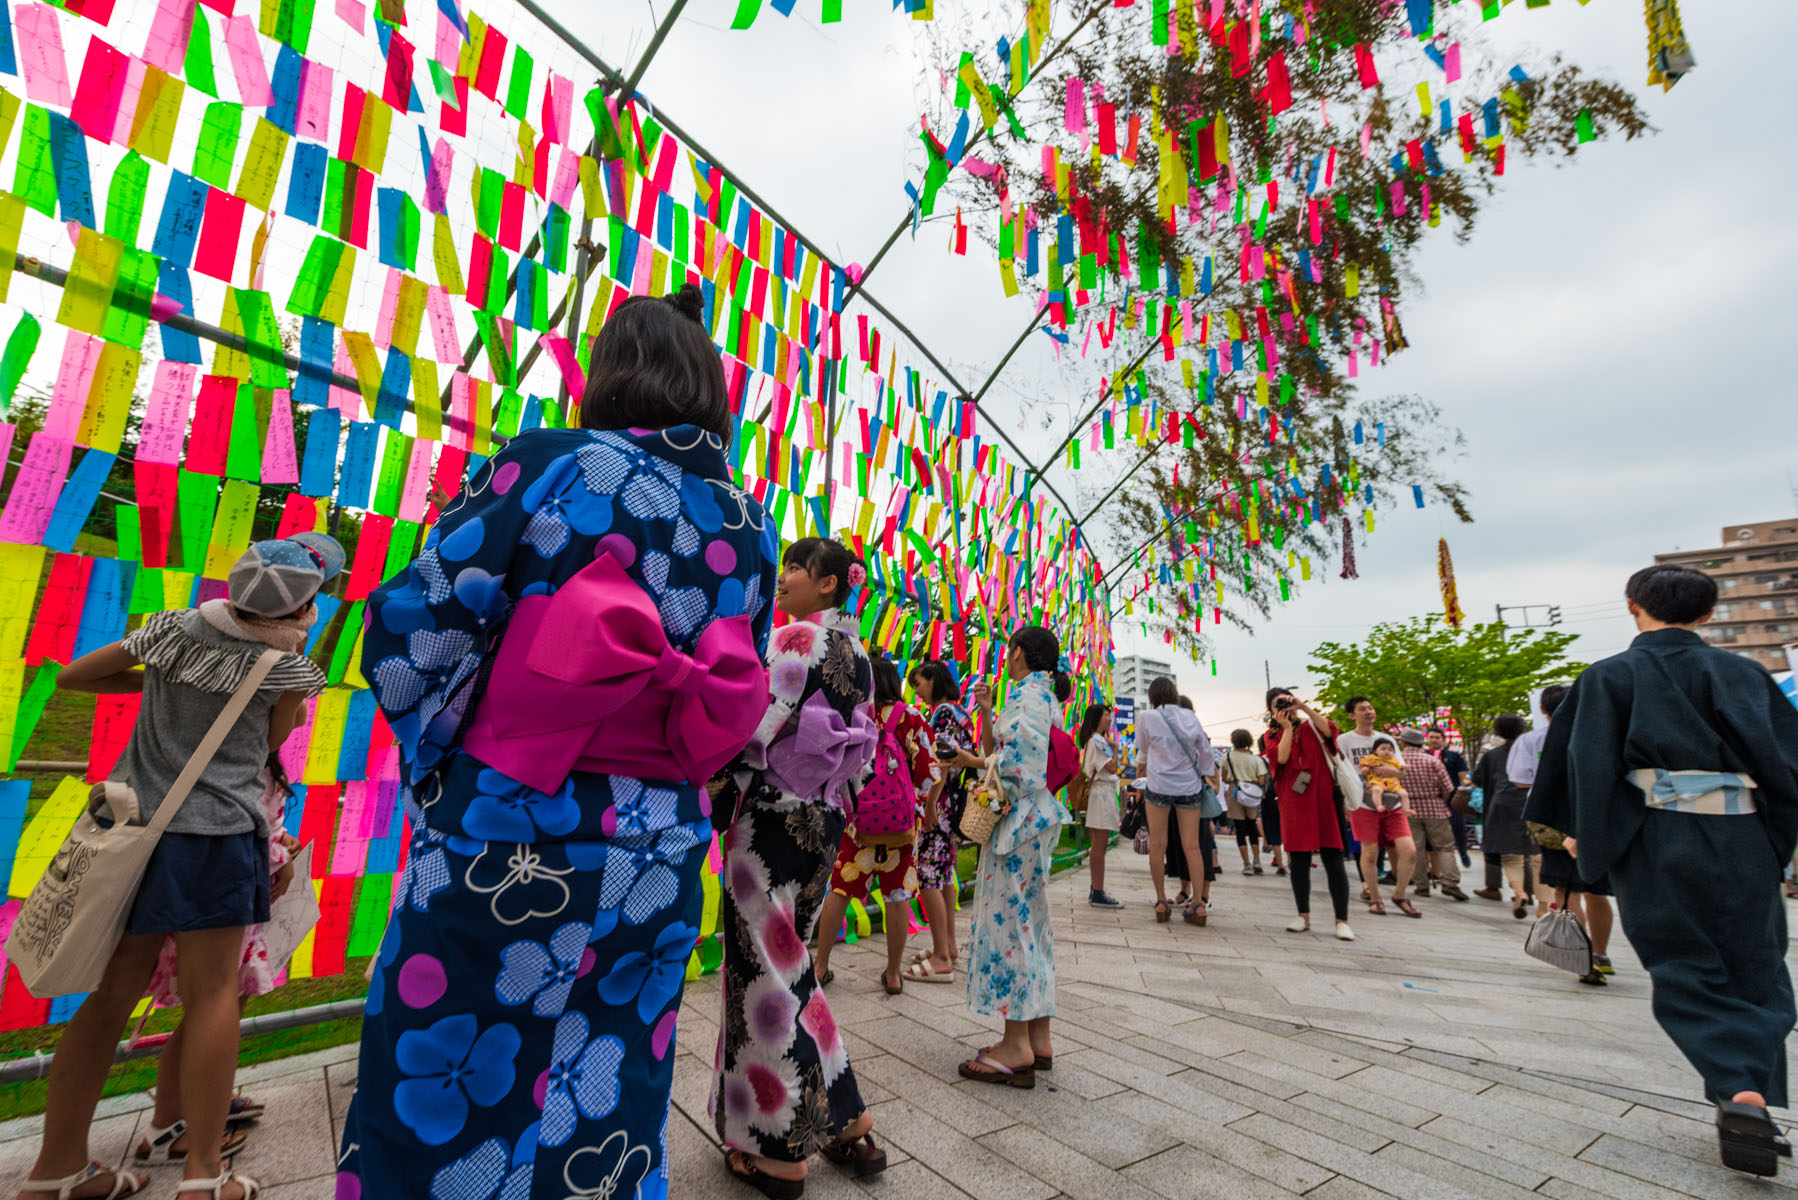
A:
[1298,750]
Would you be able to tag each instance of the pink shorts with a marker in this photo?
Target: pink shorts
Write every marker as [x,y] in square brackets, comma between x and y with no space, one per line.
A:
[1382,828]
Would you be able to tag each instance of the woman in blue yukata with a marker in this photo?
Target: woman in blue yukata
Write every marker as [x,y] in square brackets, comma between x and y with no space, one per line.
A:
[784,1090]
[578,646]
[1011,946]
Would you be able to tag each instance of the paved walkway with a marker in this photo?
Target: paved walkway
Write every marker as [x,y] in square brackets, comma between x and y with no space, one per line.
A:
[1429,1059]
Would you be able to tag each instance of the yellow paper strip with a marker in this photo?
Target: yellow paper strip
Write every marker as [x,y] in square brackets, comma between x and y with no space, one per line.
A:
[44,834]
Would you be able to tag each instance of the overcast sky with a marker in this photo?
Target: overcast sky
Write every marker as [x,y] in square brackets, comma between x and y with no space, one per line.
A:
[1611,342]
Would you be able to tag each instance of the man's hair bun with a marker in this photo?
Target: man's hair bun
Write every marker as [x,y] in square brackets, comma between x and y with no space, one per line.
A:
[689,301]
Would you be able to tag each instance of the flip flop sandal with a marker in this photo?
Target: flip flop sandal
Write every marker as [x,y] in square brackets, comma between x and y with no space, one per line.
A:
[1408,908]
[860,1155]
[1162,912]
[824,979]
[771,1186]
[245,1109]
[923,972]
[1748,1139]
[162,1145]
[999,1073]
[123,1183]
[1377,907]
[1044,1062]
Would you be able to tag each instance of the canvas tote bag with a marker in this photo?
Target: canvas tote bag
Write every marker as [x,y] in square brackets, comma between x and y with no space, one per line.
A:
[71,923]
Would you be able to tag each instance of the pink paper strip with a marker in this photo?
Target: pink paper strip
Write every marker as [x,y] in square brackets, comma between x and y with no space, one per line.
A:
[38,37]
[345,400]
[280,462]
[166,46]
[568,177]
[1451,62]
[449,41]
[165,414]
[102,87]
[443,325]
[437,179]
[351,14]
[390,301]
[73,380]
[134,86]
[415,493]
[314,120]
[8,431]
[34,491]
[246,61]
[293,750]
[570,367]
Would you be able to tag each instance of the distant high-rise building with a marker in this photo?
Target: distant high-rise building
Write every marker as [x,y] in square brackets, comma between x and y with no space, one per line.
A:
[1756,570]
[1133,674]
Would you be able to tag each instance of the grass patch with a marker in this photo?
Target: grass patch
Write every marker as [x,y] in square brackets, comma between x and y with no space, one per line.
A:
[26,1098]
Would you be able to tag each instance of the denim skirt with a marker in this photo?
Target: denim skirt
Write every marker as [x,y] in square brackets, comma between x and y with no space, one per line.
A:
[202,881]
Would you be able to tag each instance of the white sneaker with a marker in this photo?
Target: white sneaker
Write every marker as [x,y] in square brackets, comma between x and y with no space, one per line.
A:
[1343,932]
[1299,925]
[1247,870]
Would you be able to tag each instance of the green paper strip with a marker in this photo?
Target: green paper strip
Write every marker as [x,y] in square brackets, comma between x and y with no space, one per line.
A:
[747,11]
[216,152]
[346,643]
[31,710]
[19,348]
[198,69]
[125,198]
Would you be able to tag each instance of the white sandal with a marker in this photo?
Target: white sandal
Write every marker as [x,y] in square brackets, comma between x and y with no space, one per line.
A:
[124,1183]
[216,1187]
[1299,925]
[161,1145]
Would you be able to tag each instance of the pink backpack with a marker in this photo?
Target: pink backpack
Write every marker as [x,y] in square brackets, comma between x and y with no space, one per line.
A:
[886,808]
[1064,759]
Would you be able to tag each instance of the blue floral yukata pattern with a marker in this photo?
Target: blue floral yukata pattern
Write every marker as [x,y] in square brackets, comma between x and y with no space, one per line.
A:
[1011,946]
[519,1036]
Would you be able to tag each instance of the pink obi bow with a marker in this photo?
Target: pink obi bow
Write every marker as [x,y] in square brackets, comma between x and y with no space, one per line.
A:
[585,680]
[821,751]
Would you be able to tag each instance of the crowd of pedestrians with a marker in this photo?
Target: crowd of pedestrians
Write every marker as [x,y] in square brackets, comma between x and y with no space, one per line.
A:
[587,679]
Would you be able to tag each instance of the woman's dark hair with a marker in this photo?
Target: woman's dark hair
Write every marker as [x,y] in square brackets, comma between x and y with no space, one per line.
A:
[1242,739]
[1672,594]
[1163,691]
[1042,652]
[1274,694]
[942,681]
[1509,726]
[822,558]
[887,688]
[654,365]
[1089,724]
[1186,703]
[278,773]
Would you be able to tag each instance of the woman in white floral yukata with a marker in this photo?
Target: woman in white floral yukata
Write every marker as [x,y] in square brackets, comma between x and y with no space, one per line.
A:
[784,1090]
[1011,946]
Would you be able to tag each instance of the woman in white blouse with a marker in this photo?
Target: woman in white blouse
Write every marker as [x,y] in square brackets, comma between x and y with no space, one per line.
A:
[1180,767]
[1099,763]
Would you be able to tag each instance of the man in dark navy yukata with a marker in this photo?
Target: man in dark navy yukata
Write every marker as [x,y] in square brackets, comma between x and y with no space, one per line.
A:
[1674,767]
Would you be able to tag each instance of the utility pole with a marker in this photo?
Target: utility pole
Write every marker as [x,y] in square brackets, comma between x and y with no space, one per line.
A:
[1551,615]
[1267,675]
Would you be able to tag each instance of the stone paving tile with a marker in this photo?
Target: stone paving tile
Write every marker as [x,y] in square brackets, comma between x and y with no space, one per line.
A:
[1186,1173]
[1101,1132]
[961,1107]
[306,1145]
[1568,1171]
[1224,1144]
[1709,1179]
[1370,1169]
[324,1187]
[1422,1141]
[1062,1167]
[955,1156]
[1182,1093]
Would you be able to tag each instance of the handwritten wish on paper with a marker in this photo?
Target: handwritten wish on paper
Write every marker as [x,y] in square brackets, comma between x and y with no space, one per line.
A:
[292,917]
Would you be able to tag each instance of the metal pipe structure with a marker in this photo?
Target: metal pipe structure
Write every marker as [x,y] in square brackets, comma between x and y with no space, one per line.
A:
[37,1066]
[57,277]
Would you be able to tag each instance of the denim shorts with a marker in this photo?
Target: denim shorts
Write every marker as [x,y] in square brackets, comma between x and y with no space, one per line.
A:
[1158,800]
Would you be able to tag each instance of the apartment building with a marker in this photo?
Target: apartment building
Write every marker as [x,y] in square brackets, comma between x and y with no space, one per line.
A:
[1133,674]
[1756,569]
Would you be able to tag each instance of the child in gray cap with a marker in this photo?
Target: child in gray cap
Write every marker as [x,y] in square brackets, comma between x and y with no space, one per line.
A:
[209,876]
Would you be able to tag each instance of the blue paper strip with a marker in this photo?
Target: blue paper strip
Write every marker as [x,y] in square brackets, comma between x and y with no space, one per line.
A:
[178,230]
[178,345]
[358,464]
[74,186]
[390,204]
[9,63]
[312,382]
[306,186]
[396,384]
[285,83]
[358,723]
[103,613]
[318,470]
[77,500]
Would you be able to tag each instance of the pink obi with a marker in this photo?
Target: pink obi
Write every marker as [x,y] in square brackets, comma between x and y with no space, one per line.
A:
[585,680]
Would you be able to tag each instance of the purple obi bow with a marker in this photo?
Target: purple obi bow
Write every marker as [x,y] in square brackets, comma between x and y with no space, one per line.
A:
[818,752]
[585,680]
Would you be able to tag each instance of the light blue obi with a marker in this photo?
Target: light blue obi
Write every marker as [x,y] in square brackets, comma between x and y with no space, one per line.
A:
[1710,793]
